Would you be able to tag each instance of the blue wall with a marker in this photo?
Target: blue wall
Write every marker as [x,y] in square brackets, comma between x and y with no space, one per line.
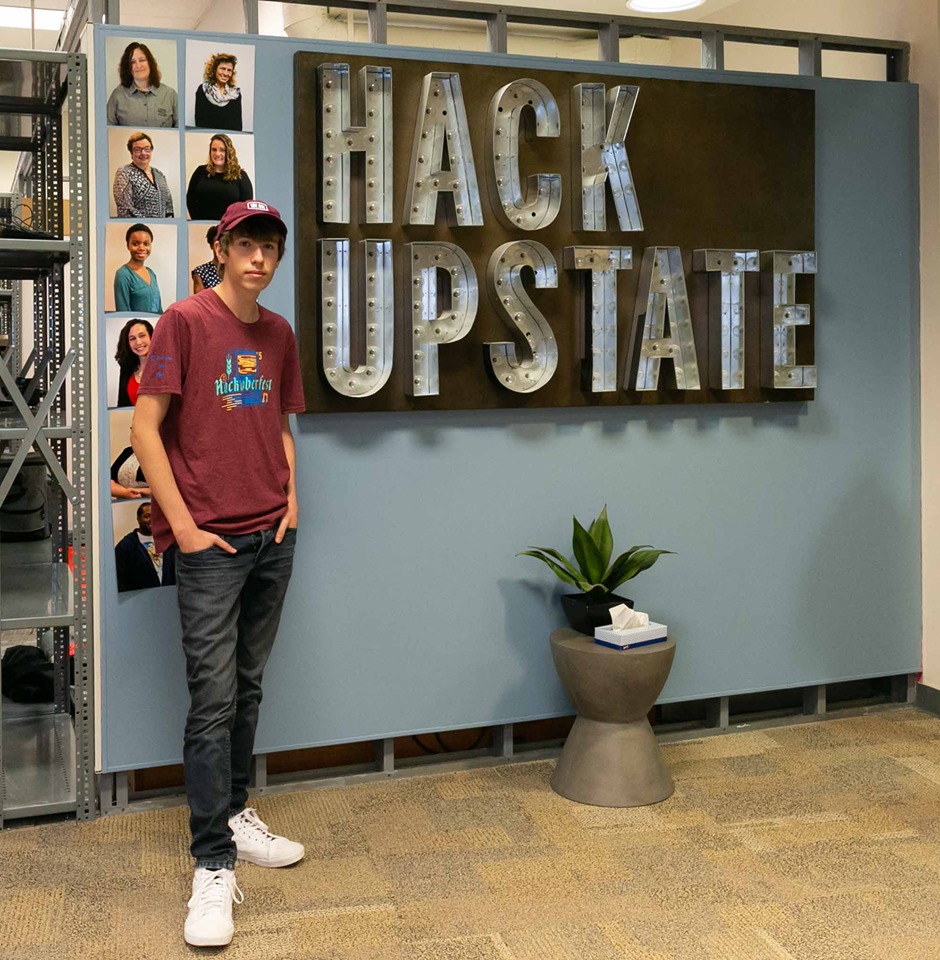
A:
[796,526]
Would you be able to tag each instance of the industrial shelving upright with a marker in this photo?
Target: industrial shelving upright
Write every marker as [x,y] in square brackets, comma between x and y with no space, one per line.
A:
[47,751]
[10,310]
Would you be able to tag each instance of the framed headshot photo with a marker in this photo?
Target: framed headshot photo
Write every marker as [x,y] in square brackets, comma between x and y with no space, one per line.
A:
[138,565]
[220,170]
[128,350]
[140,270]
[142,82]
[220,86]
[145,179]
[201,270]
[127,478]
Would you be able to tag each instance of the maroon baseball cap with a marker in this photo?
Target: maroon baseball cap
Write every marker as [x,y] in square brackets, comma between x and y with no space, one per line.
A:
[244,209]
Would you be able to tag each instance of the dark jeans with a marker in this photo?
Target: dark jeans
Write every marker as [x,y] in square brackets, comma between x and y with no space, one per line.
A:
[230,607]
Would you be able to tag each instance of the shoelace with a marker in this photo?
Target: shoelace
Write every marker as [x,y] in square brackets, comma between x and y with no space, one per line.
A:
[250,817]
[213,890]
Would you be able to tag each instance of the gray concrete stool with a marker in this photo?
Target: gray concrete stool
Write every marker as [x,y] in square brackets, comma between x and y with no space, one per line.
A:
[611,758]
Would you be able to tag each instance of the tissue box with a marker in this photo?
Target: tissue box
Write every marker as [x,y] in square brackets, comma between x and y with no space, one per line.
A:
[634,637]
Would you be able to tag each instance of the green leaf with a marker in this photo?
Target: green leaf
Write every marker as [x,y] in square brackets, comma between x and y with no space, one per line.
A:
[601,535]
[564,571]
[554,554]
[629,564]
[587,554]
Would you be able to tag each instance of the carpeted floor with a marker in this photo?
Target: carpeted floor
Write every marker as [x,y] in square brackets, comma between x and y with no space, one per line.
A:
[811,842]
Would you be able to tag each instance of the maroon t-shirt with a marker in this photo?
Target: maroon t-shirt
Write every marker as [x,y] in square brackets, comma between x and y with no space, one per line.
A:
[230,381]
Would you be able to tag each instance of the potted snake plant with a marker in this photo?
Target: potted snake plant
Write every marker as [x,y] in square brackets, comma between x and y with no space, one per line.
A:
[595,575]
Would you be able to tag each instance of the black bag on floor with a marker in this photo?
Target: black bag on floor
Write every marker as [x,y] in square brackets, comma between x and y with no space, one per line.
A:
[27,675]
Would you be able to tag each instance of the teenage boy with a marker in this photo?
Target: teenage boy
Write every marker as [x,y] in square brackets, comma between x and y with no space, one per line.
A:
[212,435]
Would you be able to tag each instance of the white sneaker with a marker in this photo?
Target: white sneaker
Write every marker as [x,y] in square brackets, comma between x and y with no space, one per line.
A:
[256,844]
[209,922]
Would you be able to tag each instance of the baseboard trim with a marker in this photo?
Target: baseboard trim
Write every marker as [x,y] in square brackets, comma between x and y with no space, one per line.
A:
[928,699]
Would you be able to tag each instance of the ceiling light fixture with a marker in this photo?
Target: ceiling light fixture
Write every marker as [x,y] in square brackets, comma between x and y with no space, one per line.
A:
[663,6]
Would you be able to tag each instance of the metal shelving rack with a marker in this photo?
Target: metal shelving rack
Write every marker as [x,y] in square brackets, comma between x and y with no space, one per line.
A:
[47,752]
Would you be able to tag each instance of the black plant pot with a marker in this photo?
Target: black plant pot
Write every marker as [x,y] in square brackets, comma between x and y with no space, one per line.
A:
[586,611]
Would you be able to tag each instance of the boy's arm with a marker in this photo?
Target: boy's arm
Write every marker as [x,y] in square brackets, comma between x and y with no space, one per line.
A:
[149,413]
[290,517]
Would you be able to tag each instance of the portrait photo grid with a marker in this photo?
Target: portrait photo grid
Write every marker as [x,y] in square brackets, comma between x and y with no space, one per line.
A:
[180,150]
